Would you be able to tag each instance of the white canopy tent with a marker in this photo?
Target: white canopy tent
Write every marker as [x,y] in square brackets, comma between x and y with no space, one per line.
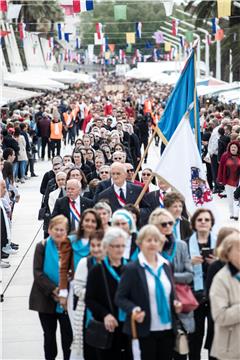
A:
[10,95]
[32,80]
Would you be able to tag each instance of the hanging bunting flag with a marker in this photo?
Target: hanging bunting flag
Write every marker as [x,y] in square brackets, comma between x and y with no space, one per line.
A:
[167,46]
[68,10]
[98,41]
[214,25]
[120,12]
[219,35]
[159,38]
[107,55]
[99,28]
[66,37]
[111,47]
[3,6]
[21,29]
[181,41]
[59,31]
[121,56]
[155,58]
[168,6]
[130,38]
[224,8]
[78,43]
[138,30]
[175,23]
[82,5]
[189,36]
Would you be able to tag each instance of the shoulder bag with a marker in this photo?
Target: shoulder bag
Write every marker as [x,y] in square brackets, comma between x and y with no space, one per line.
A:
[186,297]
[97,335]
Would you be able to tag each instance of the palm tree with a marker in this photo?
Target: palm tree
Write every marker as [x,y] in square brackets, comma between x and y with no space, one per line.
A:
[231,42]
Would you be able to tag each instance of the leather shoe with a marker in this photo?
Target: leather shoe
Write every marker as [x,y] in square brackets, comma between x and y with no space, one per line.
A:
[34,175]
[4,255]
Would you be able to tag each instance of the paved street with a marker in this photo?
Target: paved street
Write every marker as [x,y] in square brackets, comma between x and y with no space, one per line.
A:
[21,332]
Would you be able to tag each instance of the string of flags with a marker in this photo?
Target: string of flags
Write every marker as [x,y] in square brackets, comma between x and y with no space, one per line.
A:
[82,6]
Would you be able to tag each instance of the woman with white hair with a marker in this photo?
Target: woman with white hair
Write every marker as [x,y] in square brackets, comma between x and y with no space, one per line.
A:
[105,213]
[101,288]
[125,221]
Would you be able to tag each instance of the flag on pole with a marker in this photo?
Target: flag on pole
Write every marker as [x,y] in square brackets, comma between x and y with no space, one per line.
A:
[175,23]
[214,25]
[181,97]
[181,156]
[51,42]
[224,8]
[66,37]
[99,31]
[138,30]
[189,36]
[3,6]
[59,31]
[78,43]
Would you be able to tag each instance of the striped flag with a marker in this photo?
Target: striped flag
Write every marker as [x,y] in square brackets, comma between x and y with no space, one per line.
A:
[3,6]
[51,42]
[82,5]
[214,25]
[139,30]
[175,23]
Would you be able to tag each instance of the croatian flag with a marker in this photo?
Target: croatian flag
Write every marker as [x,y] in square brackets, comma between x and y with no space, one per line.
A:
[175,23]
[139,30]
[82,5]
[99,32]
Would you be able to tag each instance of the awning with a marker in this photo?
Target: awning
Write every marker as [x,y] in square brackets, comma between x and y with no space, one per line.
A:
[10,95]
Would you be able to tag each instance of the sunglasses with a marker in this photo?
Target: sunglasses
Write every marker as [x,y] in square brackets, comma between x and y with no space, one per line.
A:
[130,170]
[146,174]
[104,172]
[202,219]
[167,223]
[117,158]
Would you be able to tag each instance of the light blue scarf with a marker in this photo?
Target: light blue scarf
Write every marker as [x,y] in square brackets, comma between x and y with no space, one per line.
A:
[197,269]
[79,250]
[170,254]
[50,265]
[121,313]
[162,303]
[175,232]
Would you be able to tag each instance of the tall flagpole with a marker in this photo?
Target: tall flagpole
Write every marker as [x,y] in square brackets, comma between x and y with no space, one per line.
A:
[195,95]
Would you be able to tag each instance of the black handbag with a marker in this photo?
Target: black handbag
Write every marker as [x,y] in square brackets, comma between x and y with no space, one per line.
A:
[96,334]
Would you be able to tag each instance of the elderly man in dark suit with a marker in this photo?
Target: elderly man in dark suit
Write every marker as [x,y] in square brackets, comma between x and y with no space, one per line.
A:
[122,192]
[72,205]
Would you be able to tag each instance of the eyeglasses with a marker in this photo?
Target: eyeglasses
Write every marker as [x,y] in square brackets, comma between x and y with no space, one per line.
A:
[202,219]
[130,170]
[104,172]
[117,246]
[117,158]
[167,223]
[146,174]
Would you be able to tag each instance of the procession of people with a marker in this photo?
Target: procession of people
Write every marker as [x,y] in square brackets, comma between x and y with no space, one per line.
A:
[123,267]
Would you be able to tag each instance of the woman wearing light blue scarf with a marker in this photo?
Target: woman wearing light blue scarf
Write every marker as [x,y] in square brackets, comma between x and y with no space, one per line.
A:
[44,294]
[200,245]
[72,251]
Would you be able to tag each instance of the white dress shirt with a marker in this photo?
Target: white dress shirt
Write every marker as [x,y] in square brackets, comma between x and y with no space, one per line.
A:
[156,324]
[123,187]
[127,250]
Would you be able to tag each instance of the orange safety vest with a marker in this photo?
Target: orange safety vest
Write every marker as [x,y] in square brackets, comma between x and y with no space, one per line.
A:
[56,131]
[147,106]
[68,119]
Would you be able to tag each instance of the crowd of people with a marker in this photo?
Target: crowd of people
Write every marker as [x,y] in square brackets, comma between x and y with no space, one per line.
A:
[117,261]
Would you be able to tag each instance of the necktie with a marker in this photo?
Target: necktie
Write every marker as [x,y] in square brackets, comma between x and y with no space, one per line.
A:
[62,193]
[122,194]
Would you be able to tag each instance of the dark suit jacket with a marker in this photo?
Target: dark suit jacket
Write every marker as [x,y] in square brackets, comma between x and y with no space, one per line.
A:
[40,297]
[103,185]
[153,199]
[133,191]
[62,207]
[133,291]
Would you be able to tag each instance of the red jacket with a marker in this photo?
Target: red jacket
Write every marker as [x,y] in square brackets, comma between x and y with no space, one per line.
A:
[229,167]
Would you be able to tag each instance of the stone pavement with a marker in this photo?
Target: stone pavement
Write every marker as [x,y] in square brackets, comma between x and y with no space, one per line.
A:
[21,334]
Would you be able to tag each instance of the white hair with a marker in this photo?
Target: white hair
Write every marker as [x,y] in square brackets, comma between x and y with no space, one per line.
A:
[114,233]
